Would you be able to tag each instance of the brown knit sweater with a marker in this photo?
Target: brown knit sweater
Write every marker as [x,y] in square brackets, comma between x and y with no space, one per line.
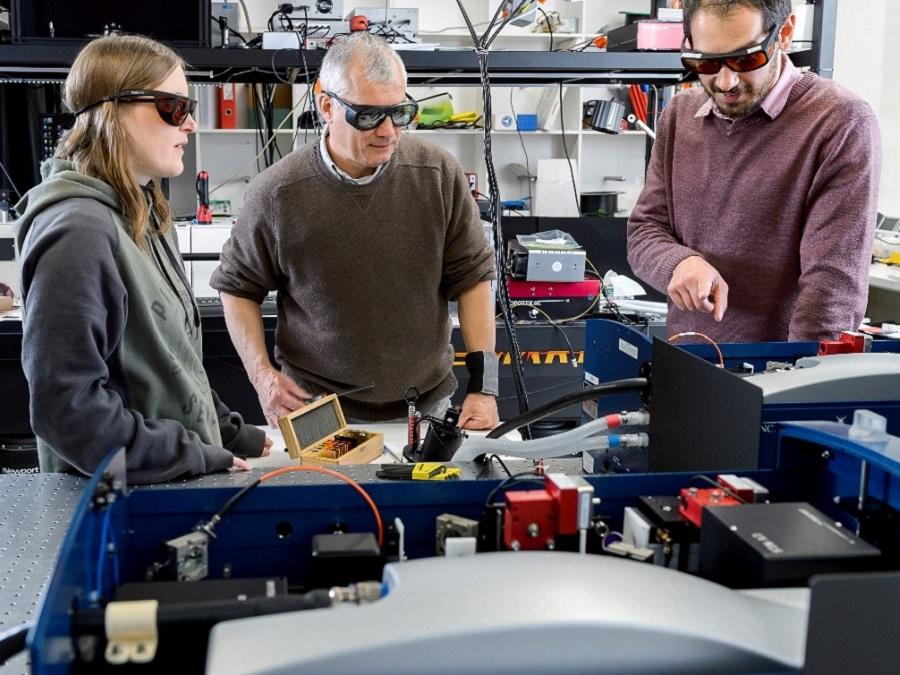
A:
[363,273]
[783,207]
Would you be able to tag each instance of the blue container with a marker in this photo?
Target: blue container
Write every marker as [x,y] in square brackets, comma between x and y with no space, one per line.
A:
[527,122]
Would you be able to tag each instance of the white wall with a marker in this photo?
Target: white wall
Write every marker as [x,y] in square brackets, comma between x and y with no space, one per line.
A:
[865,63]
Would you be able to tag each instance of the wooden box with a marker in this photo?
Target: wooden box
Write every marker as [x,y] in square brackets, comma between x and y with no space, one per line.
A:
[318,434]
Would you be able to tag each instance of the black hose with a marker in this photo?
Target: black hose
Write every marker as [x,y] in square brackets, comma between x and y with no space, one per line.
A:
[12,641]
[614,387]
[91,621]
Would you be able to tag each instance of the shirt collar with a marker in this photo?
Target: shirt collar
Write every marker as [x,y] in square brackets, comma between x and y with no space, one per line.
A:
[774,102]
[340,173]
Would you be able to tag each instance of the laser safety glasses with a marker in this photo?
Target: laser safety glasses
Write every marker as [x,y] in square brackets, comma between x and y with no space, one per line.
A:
[368,117]
[172,108]
[740,61]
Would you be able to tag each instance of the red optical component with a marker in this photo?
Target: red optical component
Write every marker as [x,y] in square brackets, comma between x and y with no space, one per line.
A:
[849,342]
[692,501]
[529,520]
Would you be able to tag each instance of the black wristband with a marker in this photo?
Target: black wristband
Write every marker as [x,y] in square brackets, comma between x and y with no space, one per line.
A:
[484,374]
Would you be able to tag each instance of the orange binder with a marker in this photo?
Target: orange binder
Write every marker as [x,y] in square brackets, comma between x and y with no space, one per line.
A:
[227,107]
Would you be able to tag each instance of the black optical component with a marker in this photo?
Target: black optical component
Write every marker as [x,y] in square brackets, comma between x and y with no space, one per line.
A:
[368,117]
[607,116]
[172,108]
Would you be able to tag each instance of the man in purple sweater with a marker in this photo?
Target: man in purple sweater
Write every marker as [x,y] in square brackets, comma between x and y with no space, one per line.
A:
[758,211]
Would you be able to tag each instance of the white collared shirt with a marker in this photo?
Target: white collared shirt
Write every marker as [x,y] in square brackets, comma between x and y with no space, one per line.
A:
[340,173]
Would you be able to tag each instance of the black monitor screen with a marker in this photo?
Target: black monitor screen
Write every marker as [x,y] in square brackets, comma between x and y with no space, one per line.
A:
[79,20]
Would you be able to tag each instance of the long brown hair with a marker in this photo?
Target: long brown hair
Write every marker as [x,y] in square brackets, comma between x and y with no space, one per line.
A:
[96,143]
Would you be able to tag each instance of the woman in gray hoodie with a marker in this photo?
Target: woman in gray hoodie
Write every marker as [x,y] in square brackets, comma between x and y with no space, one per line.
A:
[112,342]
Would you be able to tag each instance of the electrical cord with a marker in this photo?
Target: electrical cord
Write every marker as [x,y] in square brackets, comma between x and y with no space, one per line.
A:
[309,91]
[246,15]
[549,26]
[302,35]
[12,641]
[482,46]
[613,387]
[243,169]
[10,180]
[581,46]
[493,22]
[222,23]
[614,307]
[264,131]
[573,359]
[512,108]
[275,70]
[610,303]
[542,390]
[514,479]
[692,333]
[562,126]
[501,463]
[269,24]
[448,28]
[389,33]
[237,497]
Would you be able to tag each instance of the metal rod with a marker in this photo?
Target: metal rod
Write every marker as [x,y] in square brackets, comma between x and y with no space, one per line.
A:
[861,500]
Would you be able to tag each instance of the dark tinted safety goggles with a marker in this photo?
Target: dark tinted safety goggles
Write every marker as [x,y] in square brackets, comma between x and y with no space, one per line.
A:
[172,108]
[740,61]
[368,117]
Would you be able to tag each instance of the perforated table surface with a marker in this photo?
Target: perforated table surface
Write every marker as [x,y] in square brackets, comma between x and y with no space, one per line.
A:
[34,515]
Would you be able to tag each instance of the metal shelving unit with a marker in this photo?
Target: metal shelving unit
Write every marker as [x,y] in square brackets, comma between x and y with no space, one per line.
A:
[432,70]
[444,67]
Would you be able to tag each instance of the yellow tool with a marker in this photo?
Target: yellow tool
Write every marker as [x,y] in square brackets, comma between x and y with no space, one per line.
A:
[892,259]
[470,117]
[435,471]
[420,471]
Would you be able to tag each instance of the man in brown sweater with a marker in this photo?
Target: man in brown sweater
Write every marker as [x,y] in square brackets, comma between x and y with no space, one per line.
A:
[758,212]
[366,235]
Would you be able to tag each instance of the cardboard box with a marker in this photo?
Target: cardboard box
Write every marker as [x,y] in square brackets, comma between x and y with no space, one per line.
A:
[318,434]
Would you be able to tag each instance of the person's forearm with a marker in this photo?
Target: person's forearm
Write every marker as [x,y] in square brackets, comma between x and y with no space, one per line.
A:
[243,318]
[476,318]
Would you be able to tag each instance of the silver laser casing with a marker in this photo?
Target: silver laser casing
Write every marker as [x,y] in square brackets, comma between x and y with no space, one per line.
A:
[527,612]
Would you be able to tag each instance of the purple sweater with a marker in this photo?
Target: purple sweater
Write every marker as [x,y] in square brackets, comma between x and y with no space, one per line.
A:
[782,203]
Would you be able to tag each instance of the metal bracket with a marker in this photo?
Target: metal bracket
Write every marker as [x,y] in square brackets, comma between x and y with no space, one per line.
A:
[189,555]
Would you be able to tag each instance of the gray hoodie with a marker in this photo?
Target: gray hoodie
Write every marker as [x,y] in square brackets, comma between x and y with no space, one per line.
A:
[112,342]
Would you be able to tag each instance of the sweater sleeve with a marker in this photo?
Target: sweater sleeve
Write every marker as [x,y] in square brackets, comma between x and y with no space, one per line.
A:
[654,250]
[468,258]
[836,245]
[241,438]
[248,264]
[68,355]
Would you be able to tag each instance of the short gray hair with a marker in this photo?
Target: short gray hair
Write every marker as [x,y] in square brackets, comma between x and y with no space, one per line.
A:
[382,63]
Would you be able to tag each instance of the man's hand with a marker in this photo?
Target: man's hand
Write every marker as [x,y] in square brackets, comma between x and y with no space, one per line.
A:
[278,394]
[697,286]
[479,411]
[267,445]
[239,464]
